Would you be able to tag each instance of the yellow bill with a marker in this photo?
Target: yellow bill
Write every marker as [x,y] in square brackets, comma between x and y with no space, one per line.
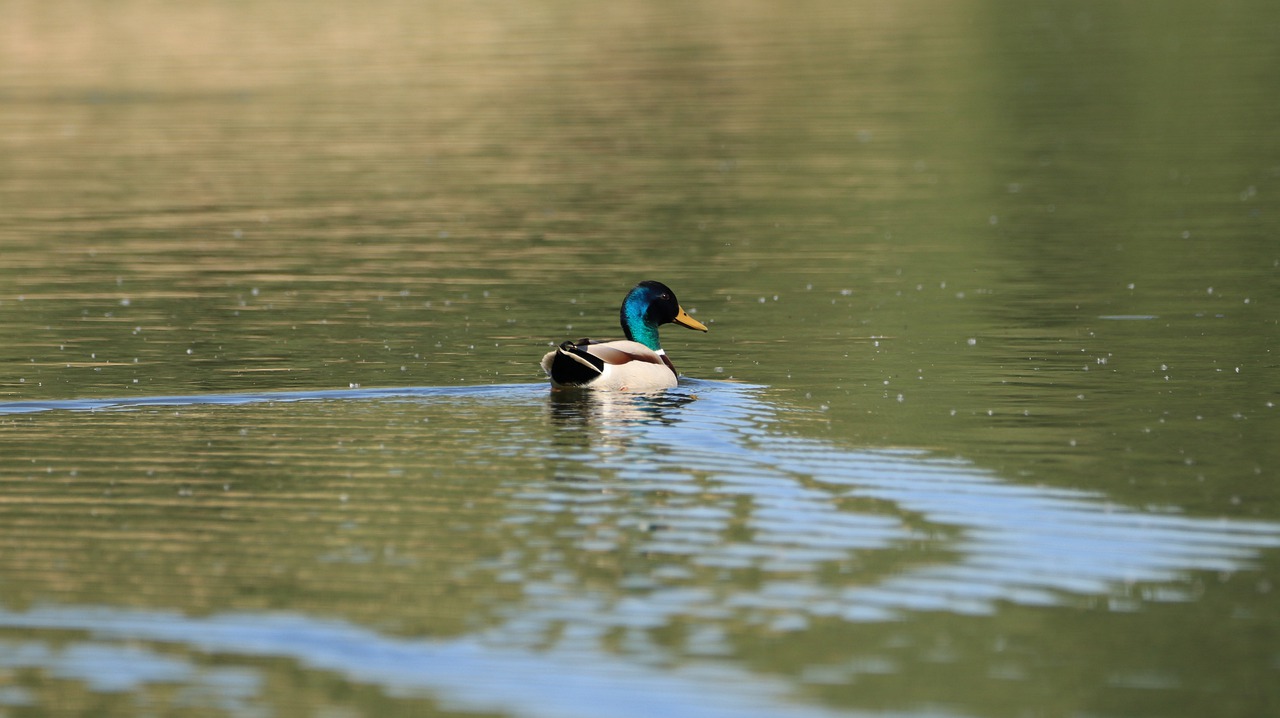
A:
[685,320]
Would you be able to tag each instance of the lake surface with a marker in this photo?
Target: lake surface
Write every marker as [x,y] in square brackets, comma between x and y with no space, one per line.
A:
[985,423]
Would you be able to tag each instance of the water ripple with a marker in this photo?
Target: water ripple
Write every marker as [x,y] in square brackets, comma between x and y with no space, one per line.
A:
[716,520]
[461,673]
[794,508]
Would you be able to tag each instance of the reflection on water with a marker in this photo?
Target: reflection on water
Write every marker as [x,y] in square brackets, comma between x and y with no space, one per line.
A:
[742,496]
[469,675]
[196,400]
[662,532]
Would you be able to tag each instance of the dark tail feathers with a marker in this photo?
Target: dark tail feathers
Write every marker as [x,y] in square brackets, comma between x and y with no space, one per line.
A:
[573,366]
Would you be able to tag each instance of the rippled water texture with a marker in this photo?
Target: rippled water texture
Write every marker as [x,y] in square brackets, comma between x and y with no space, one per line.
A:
[636,540]
[984,425]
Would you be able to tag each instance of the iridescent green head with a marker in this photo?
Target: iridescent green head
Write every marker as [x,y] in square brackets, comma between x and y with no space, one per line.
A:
[650,305]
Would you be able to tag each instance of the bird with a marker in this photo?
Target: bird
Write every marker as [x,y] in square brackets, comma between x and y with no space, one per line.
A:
[636,363]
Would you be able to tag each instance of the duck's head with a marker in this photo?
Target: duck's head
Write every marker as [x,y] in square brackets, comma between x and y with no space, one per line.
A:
[650,305]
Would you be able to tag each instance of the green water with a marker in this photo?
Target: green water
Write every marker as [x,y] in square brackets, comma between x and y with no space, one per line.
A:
[984,423]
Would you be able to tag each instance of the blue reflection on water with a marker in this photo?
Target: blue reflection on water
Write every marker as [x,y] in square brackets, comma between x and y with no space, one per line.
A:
[463,673]
[1006,541]
[716,448]
[138,402]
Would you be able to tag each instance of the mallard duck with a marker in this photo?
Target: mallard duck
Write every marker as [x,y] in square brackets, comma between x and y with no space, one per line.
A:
[636,363]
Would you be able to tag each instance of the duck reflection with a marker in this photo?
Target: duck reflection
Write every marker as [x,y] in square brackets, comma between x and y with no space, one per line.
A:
[569,409]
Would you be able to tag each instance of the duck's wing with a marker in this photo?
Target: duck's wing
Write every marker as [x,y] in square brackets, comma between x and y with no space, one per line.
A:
[622,352]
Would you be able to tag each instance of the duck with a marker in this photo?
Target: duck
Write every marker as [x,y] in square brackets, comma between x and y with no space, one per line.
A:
[636,363]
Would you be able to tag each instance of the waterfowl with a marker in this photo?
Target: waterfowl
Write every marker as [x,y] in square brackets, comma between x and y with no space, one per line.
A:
[636,363]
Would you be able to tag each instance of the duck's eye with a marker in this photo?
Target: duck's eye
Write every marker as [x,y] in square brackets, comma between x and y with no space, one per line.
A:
[664,296]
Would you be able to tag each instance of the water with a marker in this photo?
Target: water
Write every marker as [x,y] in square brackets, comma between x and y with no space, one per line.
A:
[984,424]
